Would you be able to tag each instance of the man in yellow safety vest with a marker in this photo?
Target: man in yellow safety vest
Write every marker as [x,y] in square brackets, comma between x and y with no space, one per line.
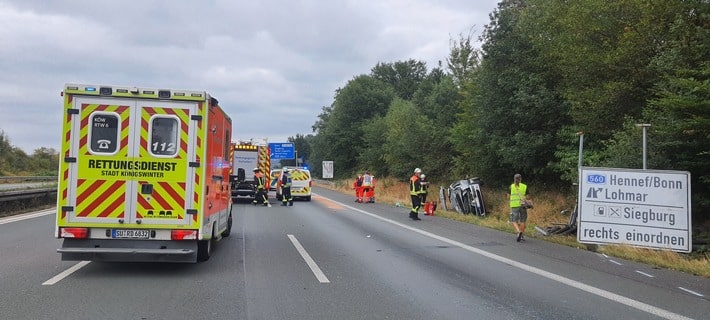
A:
[519,198]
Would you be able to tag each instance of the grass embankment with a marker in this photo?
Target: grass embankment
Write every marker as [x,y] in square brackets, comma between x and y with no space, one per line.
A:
[546,213]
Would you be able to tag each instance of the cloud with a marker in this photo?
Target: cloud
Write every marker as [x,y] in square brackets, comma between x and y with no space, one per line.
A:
[272,64]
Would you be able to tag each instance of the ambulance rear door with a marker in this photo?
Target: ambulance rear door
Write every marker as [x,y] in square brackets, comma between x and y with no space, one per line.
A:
[129,162]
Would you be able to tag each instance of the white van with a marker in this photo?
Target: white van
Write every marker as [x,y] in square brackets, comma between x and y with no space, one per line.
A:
[301,183]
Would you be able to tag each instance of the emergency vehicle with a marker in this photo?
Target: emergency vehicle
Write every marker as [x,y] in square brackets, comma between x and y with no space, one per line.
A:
[301,182]
[144,174]
[245,157]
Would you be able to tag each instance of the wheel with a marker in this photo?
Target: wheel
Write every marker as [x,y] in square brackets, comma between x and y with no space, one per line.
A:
[205,247]
[227,232]
[308,198]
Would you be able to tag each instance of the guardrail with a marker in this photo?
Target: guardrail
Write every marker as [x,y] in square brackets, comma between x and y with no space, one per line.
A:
[26,194]
[5,179]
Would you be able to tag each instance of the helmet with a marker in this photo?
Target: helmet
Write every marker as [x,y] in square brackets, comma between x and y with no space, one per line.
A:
[422,176]
[256,169]
[417,170]
[285,170]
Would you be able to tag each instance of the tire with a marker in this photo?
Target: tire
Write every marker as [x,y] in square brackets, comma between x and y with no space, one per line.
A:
[205,247]
[227,232]
[308,198]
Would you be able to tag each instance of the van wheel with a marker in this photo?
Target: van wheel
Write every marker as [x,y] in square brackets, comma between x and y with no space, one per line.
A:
[226,233]
[205,247]
[308,198]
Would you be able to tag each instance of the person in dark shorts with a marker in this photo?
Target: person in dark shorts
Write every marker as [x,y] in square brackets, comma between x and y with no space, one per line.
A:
[519,197]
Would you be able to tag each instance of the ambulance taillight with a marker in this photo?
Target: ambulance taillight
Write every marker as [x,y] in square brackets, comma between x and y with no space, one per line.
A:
[77,233]
[183,234]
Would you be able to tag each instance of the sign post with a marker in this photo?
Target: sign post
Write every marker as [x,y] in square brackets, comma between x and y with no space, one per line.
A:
[640,208]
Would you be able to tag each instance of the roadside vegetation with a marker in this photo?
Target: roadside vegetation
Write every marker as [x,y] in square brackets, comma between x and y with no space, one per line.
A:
[517,97]
[548,206]
[16,162]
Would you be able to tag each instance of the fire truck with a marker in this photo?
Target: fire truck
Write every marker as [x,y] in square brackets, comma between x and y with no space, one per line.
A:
[246,156]
[144,174]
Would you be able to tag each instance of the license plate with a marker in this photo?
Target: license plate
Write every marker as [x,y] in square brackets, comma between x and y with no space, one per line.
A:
[130,234]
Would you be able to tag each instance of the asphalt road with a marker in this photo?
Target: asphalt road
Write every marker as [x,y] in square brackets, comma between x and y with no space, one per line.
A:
[334,259]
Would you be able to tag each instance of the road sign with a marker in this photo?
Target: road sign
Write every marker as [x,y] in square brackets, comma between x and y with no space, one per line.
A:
[282,150]
[327,169]
[640,208]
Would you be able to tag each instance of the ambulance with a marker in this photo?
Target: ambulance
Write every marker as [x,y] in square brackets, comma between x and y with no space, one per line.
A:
[143,174]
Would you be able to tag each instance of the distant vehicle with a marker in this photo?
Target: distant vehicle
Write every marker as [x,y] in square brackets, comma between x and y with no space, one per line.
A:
[301,183]
[246,157]
[144,174]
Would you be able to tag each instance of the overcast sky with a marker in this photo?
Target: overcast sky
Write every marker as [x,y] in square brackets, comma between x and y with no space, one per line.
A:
[262,60]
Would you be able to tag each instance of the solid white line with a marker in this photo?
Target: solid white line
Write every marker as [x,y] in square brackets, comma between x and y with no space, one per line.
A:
[691,292]
[309,261]
[65,273]
[572,283]
[25,216]
[645,274]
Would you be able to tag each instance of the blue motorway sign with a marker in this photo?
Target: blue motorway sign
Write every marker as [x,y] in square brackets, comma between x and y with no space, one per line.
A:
[282,150]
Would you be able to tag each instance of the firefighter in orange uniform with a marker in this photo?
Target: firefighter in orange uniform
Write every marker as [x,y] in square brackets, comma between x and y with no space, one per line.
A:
[357,185]
[414,188]
[368,187]
[371,196]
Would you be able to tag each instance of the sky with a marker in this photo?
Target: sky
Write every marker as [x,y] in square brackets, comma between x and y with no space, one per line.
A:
[272,64]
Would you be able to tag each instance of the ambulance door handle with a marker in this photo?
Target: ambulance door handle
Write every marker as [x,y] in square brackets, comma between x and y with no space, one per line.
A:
[120,220]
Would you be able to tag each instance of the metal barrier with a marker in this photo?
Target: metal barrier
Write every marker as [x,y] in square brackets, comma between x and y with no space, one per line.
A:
[26,194]
[6,179]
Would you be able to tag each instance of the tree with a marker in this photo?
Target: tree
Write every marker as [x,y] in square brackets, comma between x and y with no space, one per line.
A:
[403,76]
[512,111]
[437,100]
[408,131]
[341,132]
[463,59]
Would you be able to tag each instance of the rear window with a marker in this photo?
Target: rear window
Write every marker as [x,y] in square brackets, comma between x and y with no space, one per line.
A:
[104,133]
[164,136]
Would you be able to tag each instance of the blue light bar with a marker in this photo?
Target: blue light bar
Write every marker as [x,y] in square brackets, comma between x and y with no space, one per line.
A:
[90,89]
